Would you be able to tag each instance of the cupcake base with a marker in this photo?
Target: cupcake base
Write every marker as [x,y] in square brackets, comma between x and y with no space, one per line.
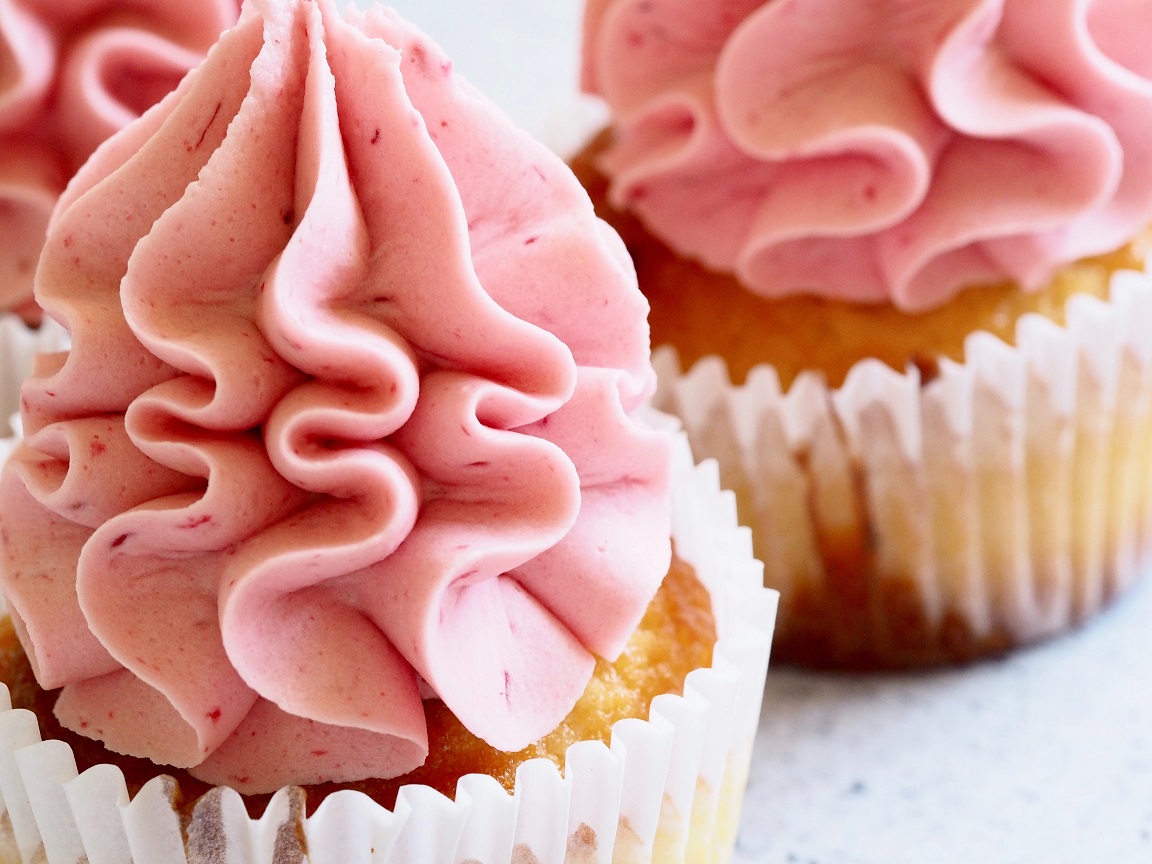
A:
[662,788]
[910,521]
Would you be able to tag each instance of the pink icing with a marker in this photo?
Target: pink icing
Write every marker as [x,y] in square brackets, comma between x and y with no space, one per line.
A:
[347,411]
[72,72]
[897,150]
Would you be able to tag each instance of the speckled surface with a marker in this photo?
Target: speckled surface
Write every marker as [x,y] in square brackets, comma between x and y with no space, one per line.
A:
[1045,756]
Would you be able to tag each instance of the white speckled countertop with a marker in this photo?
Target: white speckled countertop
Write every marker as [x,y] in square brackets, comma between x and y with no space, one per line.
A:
[1045,756]
[1042,758]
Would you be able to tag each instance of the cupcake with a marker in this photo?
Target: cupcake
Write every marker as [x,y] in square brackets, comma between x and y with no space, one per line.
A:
[899,250]
[75,71]
[343,510]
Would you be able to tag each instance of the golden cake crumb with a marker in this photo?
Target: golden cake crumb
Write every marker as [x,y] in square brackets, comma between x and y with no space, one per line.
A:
[701,312]
[676,636]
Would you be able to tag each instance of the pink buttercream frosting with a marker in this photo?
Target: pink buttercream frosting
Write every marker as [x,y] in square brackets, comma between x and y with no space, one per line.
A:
[897,150]
[72,72]
[347,417]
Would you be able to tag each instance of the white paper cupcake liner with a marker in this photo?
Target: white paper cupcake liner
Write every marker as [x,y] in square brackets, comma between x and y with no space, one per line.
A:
[667,789]
[908,521]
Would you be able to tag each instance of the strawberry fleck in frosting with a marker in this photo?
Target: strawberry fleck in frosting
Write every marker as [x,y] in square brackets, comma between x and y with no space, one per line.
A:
[346,418]
[72,72]
[871,151]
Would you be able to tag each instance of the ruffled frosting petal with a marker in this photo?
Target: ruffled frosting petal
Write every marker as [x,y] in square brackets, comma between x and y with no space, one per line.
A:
[72,72]
[897,151]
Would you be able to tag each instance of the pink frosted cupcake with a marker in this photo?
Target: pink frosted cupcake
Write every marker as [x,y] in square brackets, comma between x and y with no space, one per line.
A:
[900,249]
[343,484]
[75,72]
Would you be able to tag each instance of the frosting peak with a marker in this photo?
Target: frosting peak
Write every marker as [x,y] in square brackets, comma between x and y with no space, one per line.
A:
[347,409]
[895,151]
[72,72]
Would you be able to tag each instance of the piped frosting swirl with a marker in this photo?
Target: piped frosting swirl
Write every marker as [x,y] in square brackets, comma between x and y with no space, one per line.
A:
[72,72]
[347,412]
[894,151]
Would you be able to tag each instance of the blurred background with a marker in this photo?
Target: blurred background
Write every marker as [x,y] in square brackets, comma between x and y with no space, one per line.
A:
[522,53]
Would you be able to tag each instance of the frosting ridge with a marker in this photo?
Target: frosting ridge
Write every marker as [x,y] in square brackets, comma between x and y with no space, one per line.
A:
[337,327]
[72,72]
[896,152]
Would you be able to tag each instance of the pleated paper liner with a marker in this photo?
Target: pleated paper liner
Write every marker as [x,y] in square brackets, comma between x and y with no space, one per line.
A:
[909,521]
[668,789]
